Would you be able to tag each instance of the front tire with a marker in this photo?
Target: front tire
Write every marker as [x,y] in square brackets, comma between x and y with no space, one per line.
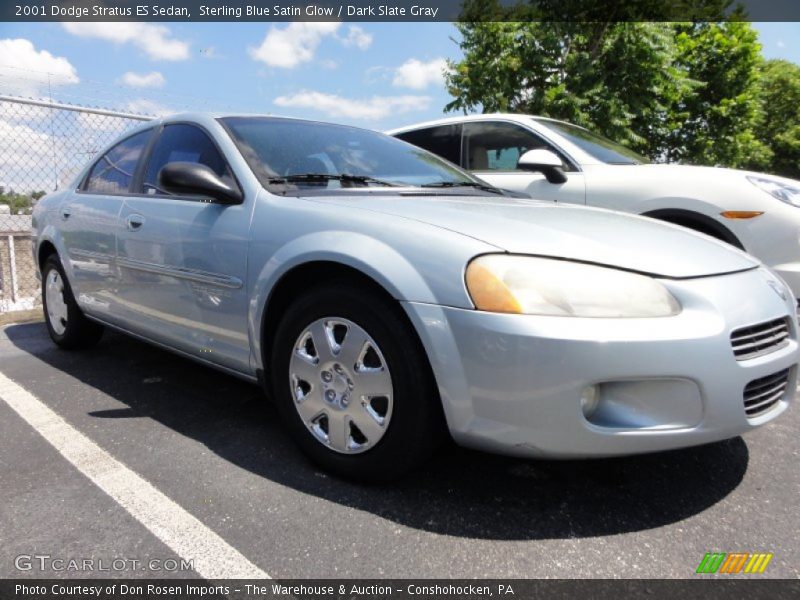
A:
[68,326]
[353,385]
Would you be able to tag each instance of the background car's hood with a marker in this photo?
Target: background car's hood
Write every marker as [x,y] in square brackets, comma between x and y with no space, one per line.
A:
[579,233]
[677,175]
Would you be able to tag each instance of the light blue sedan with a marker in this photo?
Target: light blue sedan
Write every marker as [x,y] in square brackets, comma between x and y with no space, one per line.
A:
[387,299]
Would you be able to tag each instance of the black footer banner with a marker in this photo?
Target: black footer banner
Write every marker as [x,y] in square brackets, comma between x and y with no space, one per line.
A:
[401,589]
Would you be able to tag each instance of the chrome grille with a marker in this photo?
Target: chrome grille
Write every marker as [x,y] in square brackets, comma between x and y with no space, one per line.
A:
[755,340]
[762,394]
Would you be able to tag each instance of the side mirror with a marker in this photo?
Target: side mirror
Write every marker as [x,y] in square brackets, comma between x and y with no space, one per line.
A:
[194,178]
[543,161]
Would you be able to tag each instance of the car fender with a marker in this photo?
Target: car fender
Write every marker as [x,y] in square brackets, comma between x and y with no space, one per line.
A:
[705,191]
[51,234]
[370,256]
[705,213]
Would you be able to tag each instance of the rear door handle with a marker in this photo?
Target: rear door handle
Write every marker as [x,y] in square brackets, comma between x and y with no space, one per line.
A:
[135,222]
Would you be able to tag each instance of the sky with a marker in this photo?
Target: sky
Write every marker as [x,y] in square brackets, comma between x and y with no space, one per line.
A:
[377,75]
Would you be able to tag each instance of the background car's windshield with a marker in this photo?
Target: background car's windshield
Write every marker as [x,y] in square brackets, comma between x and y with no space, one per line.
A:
[279,148]
[595,145]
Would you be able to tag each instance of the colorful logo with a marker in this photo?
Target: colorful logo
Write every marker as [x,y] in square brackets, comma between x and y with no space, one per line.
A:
[734,562]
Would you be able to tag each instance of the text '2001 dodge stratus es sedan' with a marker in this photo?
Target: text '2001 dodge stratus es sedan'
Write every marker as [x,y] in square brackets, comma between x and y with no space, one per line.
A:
[386,297]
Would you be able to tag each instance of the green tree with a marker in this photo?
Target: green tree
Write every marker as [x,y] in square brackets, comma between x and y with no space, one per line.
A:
[16,202]
[615,78]
[720,112]
[780,125]
[673,91]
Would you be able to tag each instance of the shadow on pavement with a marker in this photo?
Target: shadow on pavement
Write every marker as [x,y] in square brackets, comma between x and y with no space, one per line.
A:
[460,493]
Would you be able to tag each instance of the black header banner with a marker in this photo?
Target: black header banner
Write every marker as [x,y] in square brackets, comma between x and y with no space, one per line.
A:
[701,588]
[399,10]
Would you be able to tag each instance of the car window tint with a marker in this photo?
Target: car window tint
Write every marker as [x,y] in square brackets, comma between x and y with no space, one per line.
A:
[276,148]
[184,143]
[444,140]
[595,145]
[113,172]
[497,146]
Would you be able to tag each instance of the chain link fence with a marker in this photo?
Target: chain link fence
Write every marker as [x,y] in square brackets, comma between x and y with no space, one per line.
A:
[43,146]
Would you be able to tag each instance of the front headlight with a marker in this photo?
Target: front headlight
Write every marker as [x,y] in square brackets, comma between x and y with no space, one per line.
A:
[540,286]
[777,189]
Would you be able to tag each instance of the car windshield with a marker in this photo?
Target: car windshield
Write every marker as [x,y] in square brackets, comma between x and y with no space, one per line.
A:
[293,154]
[595,145]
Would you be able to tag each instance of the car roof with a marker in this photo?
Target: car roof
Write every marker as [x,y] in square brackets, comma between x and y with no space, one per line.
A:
[204,115]
[574,152]
[520,118]
[210,118]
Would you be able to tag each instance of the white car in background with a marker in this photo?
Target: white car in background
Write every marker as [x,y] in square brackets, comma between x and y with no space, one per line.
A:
[560,162]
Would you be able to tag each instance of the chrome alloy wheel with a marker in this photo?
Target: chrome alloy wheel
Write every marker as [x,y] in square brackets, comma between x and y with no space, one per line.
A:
[56,307]
[341,385]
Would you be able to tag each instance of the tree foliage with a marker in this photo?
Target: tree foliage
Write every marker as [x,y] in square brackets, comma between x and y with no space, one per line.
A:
[722,110]
[19,203]
[691,92]
[780,125]
[616,78]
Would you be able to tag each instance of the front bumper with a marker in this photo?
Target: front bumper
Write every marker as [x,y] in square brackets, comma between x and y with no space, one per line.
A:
[513,383]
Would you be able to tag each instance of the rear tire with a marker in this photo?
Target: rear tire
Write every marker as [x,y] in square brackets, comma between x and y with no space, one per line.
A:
[378,380]
[68,326]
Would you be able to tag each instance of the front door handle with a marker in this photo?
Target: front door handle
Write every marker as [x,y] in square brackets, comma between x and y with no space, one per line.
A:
[135,222]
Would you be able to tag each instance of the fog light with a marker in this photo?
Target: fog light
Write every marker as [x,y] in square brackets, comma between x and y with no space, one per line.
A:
[589,399]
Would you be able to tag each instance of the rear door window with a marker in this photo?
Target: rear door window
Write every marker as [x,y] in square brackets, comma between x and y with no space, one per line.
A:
[113,172]
[444,140]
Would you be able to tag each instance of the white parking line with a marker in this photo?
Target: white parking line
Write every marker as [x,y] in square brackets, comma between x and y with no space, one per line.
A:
[213,557]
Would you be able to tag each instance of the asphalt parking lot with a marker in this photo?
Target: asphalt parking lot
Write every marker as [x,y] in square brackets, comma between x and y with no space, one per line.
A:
[213,446]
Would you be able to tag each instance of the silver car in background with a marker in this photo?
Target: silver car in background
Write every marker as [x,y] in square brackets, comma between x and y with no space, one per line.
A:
[385,298]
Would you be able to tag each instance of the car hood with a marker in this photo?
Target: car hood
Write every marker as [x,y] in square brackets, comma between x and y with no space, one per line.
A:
[679,177]
[593,235]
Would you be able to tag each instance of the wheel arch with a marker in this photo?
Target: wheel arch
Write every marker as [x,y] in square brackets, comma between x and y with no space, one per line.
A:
[295,280]
[697,222]
[46,248]
[327,271]
[362,259]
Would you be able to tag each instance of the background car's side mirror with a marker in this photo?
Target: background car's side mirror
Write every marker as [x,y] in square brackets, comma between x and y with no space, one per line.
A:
[545,162]
[195,178]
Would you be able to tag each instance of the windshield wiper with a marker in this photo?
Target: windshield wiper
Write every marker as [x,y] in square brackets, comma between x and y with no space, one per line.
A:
[322,177]
[452,184]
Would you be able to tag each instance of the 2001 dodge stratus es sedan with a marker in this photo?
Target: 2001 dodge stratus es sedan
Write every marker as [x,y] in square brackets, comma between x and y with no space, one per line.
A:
[388,298]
